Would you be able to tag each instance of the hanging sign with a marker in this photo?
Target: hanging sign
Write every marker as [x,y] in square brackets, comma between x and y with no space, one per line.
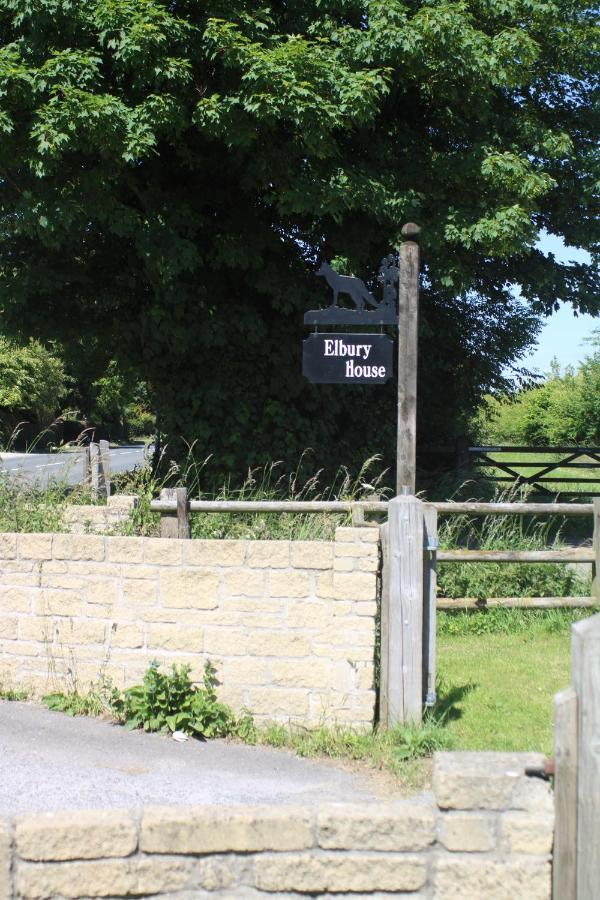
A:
[347,358]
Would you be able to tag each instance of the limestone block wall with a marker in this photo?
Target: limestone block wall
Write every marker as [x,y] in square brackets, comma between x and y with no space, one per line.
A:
[290,626]
[485,833]
[97,519]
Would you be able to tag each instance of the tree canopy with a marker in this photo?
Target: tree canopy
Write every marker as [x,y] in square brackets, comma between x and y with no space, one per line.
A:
[171,172]
[564,409]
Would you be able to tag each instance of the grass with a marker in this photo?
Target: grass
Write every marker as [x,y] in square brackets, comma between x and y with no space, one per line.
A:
[268,482]
[8,693]
[484,580]
[556,486]
[498,671]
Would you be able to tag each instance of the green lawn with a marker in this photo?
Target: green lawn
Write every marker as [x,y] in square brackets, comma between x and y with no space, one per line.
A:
[498,688]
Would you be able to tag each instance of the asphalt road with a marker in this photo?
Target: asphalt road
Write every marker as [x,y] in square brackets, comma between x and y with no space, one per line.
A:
[49,761]
[67,468]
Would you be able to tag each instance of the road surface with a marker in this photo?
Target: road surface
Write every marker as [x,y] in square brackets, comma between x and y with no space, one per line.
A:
[49,761]
[66,468]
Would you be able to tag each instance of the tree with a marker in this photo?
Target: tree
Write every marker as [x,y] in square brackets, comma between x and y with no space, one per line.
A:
[564,409]
[172,171]
[32,383]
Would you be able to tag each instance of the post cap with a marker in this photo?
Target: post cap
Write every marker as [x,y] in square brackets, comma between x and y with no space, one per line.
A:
[410,230]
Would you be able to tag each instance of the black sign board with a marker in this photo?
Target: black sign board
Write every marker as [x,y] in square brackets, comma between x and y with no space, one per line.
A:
[347,358]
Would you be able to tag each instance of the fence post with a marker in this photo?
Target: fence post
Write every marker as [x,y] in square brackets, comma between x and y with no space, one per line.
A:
[430,544]
[175,524]
[586,681]
[94,471]
[87,469]
[405,610]
[104,468]
[564,855]
[596,563]
[384,620]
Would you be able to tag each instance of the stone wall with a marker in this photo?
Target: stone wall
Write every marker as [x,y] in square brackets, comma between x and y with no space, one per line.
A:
[98,519]
[486,833]
[290,626]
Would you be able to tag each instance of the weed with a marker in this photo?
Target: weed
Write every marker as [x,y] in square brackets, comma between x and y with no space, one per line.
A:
[379,748]
[74,704]
[7,693]
[171,702]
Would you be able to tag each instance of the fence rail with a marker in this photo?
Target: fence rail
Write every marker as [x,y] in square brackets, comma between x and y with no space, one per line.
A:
[576,458]
[175,509]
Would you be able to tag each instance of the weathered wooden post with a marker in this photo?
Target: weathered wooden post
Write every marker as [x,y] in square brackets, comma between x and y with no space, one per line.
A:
[564,854]
[104,468]
[408,320]
[87,469]
[586,682]
[175,524]
[403,599]
[94,471]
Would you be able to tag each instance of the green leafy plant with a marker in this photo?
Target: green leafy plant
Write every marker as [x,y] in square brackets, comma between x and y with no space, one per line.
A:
[94,703]
[8,693]
[171,702]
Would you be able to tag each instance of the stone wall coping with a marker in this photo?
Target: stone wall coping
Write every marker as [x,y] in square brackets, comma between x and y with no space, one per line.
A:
[378,848]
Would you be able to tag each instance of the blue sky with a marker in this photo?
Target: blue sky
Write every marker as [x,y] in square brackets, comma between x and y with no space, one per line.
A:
[563,334]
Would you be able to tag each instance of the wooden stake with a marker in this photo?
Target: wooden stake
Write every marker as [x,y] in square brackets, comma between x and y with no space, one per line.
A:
[408,314]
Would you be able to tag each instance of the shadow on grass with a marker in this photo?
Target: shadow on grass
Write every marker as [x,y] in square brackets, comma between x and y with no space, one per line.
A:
[447,708]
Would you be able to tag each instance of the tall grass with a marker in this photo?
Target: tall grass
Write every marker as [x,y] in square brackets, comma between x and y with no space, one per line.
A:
[484,580]
[268,482]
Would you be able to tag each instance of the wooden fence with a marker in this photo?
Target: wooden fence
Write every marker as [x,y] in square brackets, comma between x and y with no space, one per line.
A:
[575,459]
[576,857]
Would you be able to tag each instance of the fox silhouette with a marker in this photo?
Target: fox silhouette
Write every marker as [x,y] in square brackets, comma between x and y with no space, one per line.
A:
[347,284]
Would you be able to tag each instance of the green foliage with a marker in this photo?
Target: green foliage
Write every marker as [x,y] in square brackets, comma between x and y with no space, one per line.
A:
[564,409]
[269,482]
[530,623]
[171,173]
[73,703]
[13,694]
[32,383]
[30,508]
[384,749]
[483,580]
[171,702]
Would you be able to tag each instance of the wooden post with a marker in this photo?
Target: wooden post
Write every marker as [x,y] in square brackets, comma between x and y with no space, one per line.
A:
[430,543]
[175,524]
[408,310]
[405,610]
[586,682]
[104,468]
[94,471]
[384,625]
[596,563]
[87,469]
[564,854]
